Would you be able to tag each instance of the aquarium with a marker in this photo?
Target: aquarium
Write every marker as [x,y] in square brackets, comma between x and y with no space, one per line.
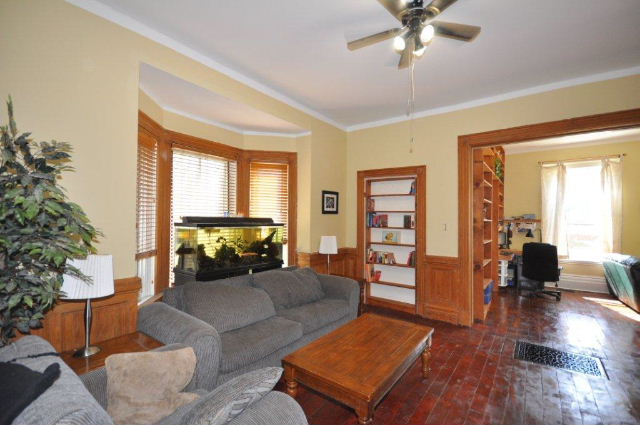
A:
[210,248]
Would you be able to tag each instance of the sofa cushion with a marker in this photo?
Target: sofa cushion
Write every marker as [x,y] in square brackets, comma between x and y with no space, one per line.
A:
[317,314]
[244,346]
[66,401]
[290,288]
[227,307]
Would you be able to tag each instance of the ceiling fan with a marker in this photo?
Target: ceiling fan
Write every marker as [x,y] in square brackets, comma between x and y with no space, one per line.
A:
[418,28]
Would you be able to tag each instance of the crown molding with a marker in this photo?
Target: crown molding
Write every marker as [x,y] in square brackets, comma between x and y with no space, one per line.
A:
[119,18]
[593,78]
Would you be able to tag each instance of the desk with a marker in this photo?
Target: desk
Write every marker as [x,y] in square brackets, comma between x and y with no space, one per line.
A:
[135,342]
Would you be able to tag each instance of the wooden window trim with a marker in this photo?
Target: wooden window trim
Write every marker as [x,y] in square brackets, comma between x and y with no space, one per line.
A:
[466,144]
[167,140]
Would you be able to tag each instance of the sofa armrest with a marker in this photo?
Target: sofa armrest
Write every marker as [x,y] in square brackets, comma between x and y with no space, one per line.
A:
[172,326]
[343,288]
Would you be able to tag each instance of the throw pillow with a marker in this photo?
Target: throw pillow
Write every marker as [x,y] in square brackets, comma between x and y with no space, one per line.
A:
[289,289]
[19,386]
[230,399]
[143,388]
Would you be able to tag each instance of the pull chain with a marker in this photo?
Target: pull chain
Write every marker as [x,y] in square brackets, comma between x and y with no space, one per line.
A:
[411,105]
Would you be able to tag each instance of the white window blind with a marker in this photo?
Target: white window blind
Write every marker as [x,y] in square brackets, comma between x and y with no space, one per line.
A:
[269,192]
[202,185]
[146,202]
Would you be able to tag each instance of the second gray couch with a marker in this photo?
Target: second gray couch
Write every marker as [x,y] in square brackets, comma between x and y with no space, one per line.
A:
[252,321]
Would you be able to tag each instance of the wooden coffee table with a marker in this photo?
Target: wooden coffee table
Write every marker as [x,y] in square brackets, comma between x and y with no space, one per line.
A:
[360,362]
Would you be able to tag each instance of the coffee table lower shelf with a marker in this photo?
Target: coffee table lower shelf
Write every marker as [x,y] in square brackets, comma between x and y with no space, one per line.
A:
[360,362]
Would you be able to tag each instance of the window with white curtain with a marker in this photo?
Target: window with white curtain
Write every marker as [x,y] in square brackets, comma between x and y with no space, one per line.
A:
[582,207]
[202,185]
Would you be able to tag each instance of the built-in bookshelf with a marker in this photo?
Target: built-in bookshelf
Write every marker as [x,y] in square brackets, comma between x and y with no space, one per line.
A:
[391,239]
[488,211]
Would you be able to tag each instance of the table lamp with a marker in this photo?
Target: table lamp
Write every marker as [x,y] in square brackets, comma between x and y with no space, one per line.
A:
[100,269]
[328,245]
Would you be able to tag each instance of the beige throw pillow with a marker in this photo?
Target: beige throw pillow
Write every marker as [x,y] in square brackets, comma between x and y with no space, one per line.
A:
[143,388]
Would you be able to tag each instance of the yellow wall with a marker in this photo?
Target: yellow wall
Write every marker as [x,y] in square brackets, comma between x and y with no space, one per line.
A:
[522,192]
[74,77]
[436,146]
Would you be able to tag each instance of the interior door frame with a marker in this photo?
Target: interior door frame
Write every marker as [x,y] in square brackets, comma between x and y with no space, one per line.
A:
[466,144]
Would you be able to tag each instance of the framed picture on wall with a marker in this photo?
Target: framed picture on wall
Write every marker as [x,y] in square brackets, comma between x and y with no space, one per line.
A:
[329,202]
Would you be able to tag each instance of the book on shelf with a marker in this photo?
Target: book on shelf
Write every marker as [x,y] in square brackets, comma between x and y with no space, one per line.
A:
[390,236]
[380,257]
[371,204]
[412,190]
[411,261]
[409,221]
[377,220]
[372,275]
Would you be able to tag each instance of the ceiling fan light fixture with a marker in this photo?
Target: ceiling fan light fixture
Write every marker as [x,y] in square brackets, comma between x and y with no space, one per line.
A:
[398,43]
[427,33]
[419,51]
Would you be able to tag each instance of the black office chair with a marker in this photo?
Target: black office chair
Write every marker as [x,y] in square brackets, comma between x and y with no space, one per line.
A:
[540,265]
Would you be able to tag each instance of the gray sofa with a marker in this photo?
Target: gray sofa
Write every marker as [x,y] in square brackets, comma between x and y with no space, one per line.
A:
[82,400]
[249,322]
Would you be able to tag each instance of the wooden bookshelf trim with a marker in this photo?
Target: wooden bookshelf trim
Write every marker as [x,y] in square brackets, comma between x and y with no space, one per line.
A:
[419,173]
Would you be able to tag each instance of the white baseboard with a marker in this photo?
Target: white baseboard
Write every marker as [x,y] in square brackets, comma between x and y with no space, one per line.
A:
[578,282]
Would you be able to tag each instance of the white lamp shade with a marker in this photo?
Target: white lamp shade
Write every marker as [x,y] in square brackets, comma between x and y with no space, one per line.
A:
[99,268]
[328,245]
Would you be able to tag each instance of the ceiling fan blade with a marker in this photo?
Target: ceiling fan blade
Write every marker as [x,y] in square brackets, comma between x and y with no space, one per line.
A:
[438,6]
[407,54]
[396,7]
[372,39]
[456,31]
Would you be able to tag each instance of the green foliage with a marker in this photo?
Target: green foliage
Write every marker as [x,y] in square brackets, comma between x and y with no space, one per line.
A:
[226,252]
[39,229]
[499,169]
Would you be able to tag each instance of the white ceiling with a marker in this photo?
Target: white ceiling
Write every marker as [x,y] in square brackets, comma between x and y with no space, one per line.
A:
[177,95]
[296,50]
[576,140]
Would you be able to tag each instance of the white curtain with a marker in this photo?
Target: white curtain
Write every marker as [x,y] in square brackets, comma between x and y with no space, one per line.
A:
[611,180]
[553,214]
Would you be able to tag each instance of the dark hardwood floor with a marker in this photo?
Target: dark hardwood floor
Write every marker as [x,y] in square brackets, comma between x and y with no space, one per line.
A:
[475,379]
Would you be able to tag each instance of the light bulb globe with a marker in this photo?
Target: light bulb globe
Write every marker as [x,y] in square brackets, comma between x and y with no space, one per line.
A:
[399,43]
[427,33]
[419,52]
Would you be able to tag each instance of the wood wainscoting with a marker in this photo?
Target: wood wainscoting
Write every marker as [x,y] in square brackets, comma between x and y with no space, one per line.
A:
[342,264]
[112,316]
[441,288]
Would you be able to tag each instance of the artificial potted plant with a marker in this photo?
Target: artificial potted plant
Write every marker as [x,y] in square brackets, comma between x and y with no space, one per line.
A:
[39,229]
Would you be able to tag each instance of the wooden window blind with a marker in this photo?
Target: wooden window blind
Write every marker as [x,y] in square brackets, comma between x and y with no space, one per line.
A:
[146,201]
[269,192]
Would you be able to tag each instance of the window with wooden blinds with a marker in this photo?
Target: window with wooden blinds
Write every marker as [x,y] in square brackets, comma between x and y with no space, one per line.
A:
[146,200]
[269,192]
